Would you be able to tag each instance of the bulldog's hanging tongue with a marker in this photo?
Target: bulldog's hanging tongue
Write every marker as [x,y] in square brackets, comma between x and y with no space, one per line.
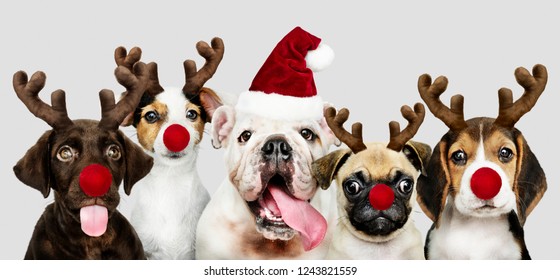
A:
[299,215]
[94,220]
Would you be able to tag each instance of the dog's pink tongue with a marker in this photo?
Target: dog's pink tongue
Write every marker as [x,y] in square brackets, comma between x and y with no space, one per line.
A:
[301,216]
[94,220]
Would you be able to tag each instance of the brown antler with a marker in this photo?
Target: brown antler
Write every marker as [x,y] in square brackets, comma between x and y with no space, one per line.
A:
[335,121]
[509,112]
[113,114]
[194,80]
[28,92]
[128,60]
[452,117]
[414,118]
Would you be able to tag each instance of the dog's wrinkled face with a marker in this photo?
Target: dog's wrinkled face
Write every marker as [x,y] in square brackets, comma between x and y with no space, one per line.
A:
[170,125]
[357,174]
[483,148]
[269,162]
[60,158]
[362,172]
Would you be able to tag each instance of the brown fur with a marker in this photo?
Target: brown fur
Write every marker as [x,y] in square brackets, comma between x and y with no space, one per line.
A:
[198,123]
[147,132]
[58,233]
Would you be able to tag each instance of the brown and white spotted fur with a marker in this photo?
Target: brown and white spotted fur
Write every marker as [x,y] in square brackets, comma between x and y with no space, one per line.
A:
[167,208]
[467,225]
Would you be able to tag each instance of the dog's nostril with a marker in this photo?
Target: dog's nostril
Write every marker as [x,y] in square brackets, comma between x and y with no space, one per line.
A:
[95,180]
[268,148]
[285,148]
[486,183]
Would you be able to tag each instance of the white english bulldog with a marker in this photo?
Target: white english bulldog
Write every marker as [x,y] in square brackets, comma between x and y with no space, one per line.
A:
[269,206]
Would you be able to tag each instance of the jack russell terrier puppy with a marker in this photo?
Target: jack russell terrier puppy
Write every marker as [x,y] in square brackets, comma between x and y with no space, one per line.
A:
[170,124]
[376,189]
[269,207]
[482,179]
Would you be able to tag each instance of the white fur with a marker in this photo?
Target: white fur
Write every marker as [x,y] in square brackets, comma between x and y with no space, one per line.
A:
[464,237]
[282,107]
[320,58]
[467,202]
[169,201]
[226,221]
[468,232]
[405,246]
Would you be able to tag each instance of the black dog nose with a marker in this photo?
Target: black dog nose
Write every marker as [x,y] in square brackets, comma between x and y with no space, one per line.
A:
[276,148]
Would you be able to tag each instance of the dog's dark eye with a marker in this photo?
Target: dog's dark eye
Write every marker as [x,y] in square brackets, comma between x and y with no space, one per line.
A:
[505,155]
[352,188]
[151,117]
[405,186]
[65,154]
[113,152]
[192,114]
[459,157]
[245,136]
[307,134]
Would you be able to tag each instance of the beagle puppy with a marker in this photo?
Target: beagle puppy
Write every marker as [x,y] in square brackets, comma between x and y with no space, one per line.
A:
[482,179]
[375,193]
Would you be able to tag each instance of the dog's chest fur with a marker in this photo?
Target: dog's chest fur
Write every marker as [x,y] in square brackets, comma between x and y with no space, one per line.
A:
[171,200]
[463,237]
[406,246]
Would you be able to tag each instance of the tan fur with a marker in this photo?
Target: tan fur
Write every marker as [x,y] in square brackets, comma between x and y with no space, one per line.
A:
[198,123]
[147,132]
[493,144]
[467,144]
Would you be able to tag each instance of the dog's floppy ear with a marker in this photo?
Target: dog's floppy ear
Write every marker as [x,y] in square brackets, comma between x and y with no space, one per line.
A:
[223,121]
[433,187]
[137,163]
[210,101]
[34,168]
[530,181]
[324,169]
[418,154]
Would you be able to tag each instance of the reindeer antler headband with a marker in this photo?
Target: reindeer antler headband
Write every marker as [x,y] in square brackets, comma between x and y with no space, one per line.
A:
[56,115]
[194,80]
[355,141]
[509,112]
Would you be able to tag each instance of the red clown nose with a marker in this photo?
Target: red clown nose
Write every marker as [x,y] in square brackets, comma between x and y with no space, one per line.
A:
[176,138]
[381,197]
[486,183]
[95,180]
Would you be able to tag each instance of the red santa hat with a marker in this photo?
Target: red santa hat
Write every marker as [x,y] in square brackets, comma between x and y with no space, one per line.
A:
[284,87]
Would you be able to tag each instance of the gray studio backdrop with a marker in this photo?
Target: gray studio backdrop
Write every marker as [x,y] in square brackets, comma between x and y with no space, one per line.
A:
[381,49]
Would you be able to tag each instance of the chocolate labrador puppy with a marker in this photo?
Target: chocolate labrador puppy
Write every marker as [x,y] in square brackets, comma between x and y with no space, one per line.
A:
[84,162]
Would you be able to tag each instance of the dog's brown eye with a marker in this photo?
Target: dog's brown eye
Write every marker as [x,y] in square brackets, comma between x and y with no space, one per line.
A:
[352,188]
[459,157]
[245,136]
[307,134]
[151,117]
[113,152]
[505,155]
[405,186]
[65,154]
[192,114]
